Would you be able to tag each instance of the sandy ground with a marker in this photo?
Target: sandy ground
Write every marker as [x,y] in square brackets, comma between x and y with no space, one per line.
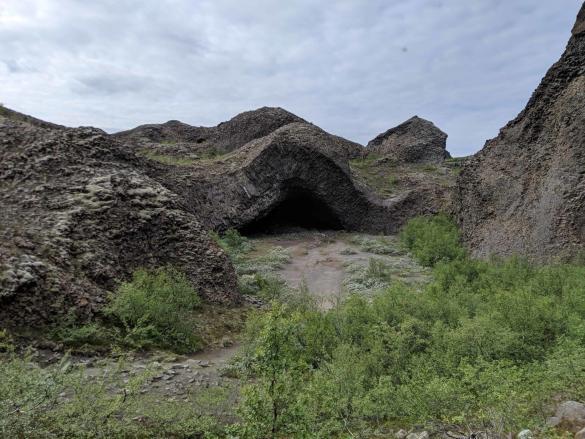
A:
[321,260]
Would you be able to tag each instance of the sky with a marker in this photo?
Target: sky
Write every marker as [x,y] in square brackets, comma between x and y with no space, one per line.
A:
[353,67]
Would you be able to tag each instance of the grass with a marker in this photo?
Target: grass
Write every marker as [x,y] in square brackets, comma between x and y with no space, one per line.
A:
[379,245]
[483,346]
[61,401]
[167,159]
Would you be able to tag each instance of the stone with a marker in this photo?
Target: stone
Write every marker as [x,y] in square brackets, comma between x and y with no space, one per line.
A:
[570,416]
[580,434]
[420,435]
[523,192]
[414,141]
[525,434]
[400,434]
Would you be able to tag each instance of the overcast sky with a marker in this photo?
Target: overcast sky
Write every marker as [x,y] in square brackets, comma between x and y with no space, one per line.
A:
[353,67]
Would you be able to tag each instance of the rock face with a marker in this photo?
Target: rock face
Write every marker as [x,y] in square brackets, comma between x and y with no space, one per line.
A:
[524,192]
[78,216]
[414,141]
[82,209]
[225,137]
[298,173]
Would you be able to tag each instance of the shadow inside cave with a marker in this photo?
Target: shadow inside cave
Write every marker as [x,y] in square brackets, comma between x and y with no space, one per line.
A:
[299,210]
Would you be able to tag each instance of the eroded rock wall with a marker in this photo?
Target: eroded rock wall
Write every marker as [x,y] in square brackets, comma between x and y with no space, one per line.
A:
[524,192]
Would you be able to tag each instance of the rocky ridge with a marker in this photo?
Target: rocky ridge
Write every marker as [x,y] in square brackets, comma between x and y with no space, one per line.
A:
[524,192]
[415,141]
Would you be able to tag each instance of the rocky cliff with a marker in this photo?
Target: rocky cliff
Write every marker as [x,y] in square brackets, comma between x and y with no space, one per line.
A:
[524,192]
[78,215]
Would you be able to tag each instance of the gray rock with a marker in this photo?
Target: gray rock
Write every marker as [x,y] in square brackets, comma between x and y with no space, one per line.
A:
[525,434]
[580,434]
[523,192]
[570,416]
[401,434]
[420,435]
[414,141]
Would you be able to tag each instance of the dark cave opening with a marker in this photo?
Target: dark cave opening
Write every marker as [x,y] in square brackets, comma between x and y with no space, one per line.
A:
[300,209]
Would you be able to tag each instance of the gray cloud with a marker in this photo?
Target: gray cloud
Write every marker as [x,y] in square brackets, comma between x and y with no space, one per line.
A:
[469,65]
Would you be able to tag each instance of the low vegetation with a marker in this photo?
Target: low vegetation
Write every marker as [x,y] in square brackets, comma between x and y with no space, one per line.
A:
[488,345]
[61,401]
[156,309]
[484,345]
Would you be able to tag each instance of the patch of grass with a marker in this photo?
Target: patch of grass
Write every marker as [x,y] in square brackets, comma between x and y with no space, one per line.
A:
[379,245]
[367,280]
[6,342]
[265,286]
[60,401]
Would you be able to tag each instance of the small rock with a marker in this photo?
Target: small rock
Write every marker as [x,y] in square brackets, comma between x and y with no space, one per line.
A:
[400,434]
[420,435]
[525,434]
[205,364]
[570,416]
[580,434]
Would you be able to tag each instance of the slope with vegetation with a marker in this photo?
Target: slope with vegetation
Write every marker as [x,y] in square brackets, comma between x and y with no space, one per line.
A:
[484,346]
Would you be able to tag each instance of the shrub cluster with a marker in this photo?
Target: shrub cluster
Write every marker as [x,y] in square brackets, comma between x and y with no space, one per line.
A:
[485,344]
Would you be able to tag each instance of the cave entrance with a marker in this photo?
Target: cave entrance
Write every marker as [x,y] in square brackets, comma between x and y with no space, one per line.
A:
[300,209]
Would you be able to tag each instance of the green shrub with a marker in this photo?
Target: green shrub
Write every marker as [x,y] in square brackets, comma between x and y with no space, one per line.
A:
[485,344]
[156,308]
[432,239]
[233,243]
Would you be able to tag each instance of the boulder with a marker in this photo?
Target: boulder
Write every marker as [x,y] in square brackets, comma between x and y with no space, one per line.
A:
[524,192]
[414,141]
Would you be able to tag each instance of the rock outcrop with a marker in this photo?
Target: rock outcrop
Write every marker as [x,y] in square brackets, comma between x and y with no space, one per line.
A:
[78,216]
[524,192]
[225,137]
[82,209]
[414,141]
[298,171]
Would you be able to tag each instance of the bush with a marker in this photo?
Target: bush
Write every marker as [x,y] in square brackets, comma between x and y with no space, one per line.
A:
[432,239]
[486,344]
[156,308]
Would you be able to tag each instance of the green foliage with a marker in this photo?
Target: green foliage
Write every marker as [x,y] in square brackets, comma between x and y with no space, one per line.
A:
[369,279]
[484,344]
[6,342]
[156,308]
[60,401]
[233,243]
[432,239]
[379,245]
[267,287]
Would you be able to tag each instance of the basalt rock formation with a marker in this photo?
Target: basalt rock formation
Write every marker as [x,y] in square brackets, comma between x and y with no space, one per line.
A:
[524,192]
[414,141]
[82,209]
[78,216]
[299,171]
[225,137]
